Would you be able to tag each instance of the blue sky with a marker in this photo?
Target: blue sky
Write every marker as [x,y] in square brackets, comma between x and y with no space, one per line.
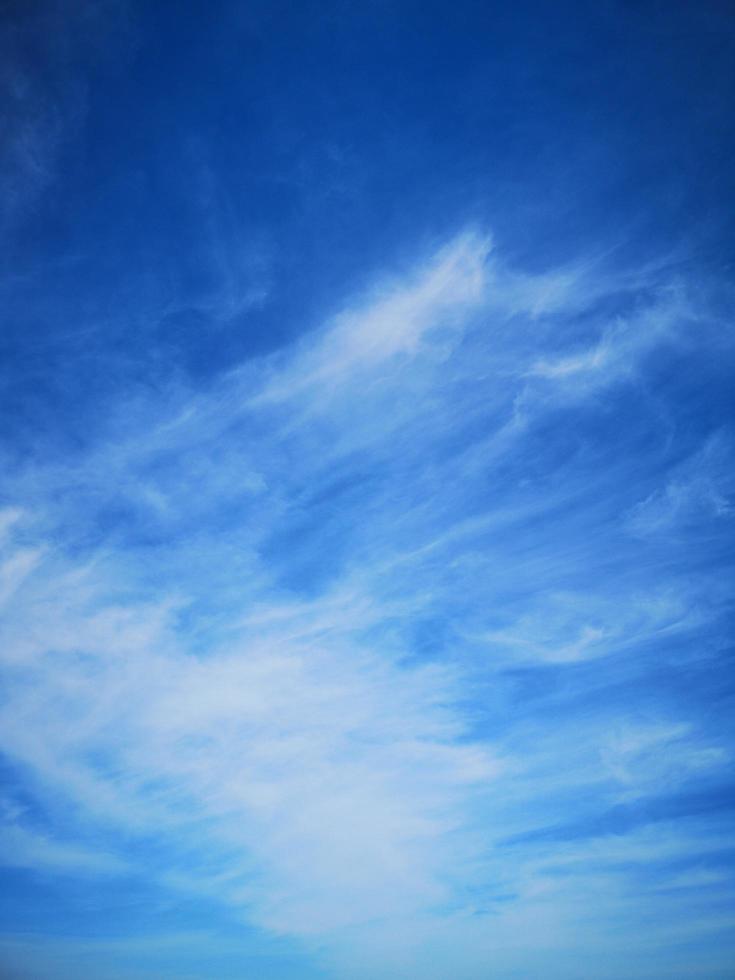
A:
[366,491]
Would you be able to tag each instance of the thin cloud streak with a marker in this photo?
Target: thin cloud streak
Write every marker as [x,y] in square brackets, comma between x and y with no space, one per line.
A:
[290,595]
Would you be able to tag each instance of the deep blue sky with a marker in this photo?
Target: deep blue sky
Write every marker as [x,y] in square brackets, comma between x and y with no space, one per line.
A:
[366,492]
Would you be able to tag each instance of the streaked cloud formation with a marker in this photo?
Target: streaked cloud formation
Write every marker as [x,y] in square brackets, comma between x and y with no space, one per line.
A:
[276,676]
[391,642]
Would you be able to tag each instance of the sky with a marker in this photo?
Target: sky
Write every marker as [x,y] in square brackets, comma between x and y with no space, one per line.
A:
[367,490]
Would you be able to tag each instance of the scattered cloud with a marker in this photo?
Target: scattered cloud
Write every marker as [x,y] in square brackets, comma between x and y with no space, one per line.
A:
[286,621]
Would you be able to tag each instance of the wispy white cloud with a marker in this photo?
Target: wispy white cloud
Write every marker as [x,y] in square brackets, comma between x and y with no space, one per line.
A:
[167,668]
[9,516]
[395,321]
[572,627]
[654,757]
[23,848]
[699,490]
[15,569]
[619,349]
[333,773]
